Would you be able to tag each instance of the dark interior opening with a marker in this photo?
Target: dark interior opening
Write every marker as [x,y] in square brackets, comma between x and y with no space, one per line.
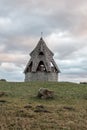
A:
[41,53]
[41,67]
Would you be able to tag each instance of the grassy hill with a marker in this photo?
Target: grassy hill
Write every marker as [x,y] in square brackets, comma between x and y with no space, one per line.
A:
[18,105]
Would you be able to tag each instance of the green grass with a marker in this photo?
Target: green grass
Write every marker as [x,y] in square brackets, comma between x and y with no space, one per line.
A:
[67,111]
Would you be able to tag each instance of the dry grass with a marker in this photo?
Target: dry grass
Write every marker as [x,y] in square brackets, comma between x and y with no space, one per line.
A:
[67,111]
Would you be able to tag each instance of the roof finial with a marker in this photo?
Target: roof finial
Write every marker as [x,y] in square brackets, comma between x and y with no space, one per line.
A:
[41,34]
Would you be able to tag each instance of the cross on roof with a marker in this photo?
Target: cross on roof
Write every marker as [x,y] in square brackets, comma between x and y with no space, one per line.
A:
[41,34]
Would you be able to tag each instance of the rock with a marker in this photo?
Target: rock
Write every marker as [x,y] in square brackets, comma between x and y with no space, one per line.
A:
[44,93]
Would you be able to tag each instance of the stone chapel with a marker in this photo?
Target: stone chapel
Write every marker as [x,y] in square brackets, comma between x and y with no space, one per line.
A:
[41,66]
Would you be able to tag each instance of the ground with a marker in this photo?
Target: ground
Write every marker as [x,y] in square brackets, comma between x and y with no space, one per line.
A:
[20,109]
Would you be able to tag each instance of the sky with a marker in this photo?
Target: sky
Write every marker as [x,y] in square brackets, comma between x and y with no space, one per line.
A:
[64,27]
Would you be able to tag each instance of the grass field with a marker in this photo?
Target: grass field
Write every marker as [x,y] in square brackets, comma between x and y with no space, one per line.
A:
[67,111]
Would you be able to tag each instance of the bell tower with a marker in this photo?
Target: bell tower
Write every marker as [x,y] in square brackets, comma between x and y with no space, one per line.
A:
[41,66]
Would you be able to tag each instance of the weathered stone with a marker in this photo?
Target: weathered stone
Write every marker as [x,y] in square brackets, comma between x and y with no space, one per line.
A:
[44,93]
[41,66]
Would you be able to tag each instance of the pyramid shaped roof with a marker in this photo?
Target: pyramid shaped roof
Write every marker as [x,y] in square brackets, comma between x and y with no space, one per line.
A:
[43,54]
[41,47]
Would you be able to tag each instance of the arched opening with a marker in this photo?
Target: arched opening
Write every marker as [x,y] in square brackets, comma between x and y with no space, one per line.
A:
[41,66]
[41,53]
[53,68]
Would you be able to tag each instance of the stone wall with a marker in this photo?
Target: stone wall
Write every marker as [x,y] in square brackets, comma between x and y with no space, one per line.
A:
[41,76]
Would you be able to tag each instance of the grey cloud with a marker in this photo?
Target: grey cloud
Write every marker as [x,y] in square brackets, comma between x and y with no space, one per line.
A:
[67,47]
[49,16]
[23,20]
[11,76]
[20,44]
[73,77]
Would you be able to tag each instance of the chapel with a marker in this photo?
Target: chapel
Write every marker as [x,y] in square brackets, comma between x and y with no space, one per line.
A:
[41,66]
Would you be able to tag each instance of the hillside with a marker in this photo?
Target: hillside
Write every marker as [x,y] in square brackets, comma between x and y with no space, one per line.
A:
[19,104]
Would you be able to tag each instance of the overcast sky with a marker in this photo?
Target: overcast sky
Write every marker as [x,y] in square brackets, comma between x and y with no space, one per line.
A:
[64,27]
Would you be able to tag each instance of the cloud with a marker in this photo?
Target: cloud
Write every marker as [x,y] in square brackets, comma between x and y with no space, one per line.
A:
[64,26]
[2,48]
[28,16]
[15,58]
[73,77]
[11,72]
[70,55]
[4,22]
[9,67]
[66,46]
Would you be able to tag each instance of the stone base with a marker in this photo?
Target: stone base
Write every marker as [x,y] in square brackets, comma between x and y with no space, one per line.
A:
[41,76]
